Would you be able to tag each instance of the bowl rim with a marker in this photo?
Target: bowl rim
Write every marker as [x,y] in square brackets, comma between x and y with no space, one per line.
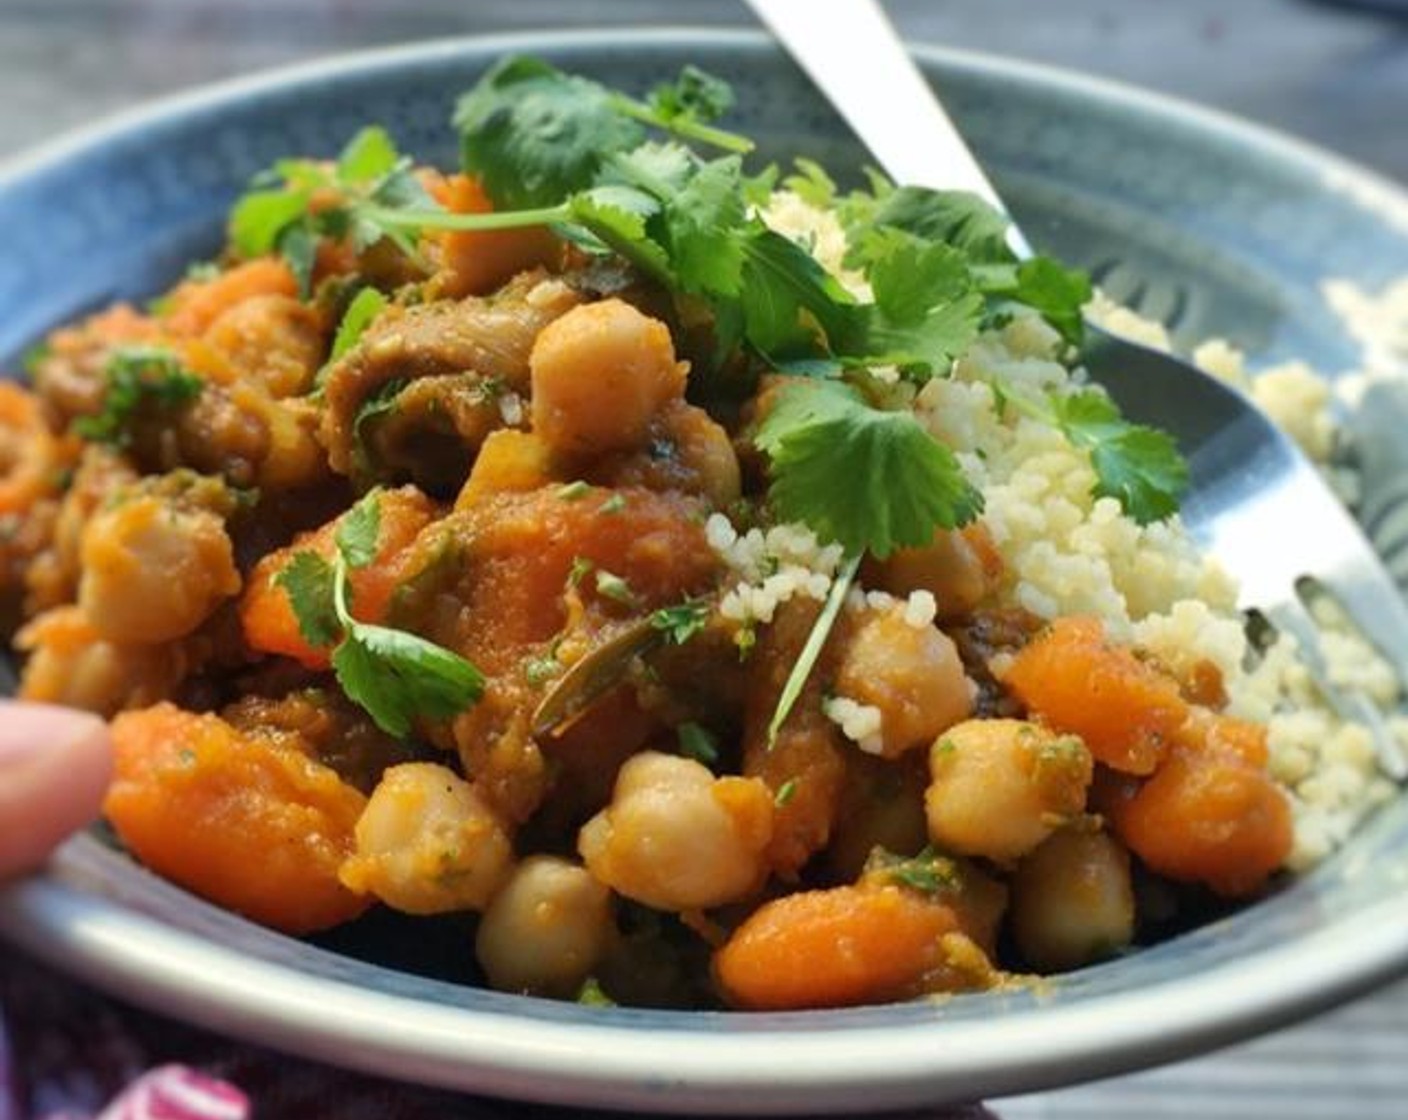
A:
[708,1066]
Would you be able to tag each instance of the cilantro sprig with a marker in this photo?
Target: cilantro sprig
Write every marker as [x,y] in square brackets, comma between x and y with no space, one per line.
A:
[394,675]
[299,201]
[872,479]
[562,151]
[1140,467]
[535,135]
[138,378]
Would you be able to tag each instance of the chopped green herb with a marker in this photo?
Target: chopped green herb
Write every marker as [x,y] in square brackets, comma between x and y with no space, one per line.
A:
[394,675]
[811,183]
[695,96]
[308,581]
[571,491]
[540,670]
[614,504]
[34,357]
[359,530]
[699,743]
[374,409]
[535,135]
[927,872]
[1138,466]
[591,994]
[785,793]
[580,569]
[138,378]
[297,202]
[366,306]
[682,621]
[873,480]
[615,588]
[811,650]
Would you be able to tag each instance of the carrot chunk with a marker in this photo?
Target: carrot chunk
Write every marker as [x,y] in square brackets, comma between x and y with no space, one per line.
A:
[196,304]
[253,826]
[1076,680]
[1210,816]
[266,614]
[833,948]
[476,262]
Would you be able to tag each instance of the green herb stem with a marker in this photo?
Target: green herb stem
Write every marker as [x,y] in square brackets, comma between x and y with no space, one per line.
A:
[807,659]
[686,127]
[443,219]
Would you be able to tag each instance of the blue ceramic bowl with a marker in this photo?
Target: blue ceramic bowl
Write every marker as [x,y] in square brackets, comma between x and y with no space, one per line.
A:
[1226,227]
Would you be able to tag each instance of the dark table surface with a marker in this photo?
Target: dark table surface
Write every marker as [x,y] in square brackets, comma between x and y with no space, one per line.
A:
[1336,75]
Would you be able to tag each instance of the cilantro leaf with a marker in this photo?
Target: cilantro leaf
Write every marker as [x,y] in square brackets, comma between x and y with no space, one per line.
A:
[871,479]
[307,580]
[359,530]
[394,675]
[613,218]
[811,183]
[957,218]
[787,297]
[397,676]
[1057,292]
[365,307]
[926,312]
[699,743]
[259,217]
[1138,466]
[682,621]
[368,156]
[361,197]
[927,872]
[138,378]
[696,95]
[534,135]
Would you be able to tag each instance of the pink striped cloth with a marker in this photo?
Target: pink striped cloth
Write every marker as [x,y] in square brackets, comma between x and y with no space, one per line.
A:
[68,1053]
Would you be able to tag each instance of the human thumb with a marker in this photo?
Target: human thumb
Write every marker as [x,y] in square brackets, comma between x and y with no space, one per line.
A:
[54,768]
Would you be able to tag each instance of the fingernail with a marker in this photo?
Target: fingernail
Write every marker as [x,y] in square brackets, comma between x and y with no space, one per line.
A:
[28,731]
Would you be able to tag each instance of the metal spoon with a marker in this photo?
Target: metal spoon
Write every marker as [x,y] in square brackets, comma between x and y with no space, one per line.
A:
[1255,501]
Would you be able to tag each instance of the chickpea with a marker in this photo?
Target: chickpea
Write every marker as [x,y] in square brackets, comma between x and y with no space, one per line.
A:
[1072,902]
[961,567]
[547,930]
[999,787]
[676,838]
[70,663]
[913,674]
[153,572]
[426,843]
[274,339]
[600,373]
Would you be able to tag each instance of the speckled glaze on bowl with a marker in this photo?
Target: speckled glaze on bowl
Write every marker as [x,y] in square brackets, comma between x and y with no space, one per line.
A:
[1225,227]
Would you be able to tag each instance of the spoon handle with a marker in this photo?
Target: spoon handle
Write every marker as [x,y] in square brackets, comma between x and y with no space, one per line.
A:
[851,51]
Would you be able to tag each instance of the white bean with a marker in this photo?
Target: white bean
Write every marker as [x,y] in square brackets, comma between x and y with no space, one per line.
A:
[547,930]
[1072,902]
[427,843]
[999,787]
[676,838]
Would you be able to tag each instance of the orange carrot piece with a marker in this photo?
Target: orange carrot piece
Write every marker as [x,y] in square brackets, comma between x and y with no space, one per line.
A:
[254,827]
[266,614]
[833,948]
[195,304]
[1208,816]
[31,451]
[1074,679]
[476,262]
